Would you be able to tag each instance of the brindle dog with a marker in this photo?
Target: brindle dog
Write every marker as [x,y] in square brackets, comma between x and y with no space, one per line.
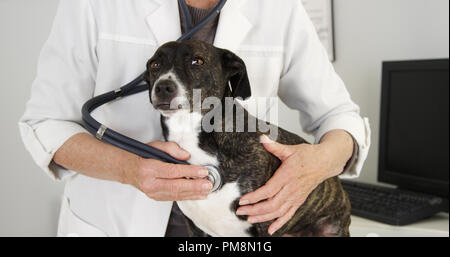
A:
[178,68]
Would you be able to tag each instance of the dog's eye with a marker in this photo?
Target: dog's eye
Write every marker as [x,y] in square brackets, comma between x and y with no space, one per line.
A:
[197,61]
[155,65]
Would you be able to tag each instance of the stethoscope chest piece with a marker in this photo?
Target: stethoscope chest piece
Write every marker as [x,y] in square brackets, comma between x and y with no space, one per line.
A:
[131,145]
[215,177]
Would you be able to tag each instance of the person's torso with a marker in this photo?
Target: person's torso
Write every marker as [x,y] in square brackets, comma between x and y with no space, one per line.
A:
[129,32]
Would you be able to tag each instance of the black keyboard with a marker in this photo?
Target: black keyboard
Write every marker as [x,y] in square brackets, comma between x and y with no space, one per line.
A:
[389,205]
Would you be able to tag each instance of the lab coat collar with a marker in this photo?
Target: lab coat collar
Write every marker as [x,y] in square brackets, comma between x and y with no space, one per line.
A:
[164,21]
[233,27]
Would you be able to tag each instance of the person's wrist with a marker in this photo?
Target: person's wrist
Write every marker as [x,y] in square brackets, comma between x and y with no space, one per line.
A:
[338,149]
[128,171]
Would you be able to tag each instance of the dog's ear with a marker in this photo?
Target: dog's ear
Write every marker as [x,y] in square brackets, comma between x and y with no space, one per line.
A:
[236,72]
[146,76]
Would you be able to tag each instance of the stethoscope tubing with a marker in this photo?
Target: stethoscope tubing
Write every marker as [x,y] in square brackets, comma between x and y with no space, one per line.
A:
[134,87]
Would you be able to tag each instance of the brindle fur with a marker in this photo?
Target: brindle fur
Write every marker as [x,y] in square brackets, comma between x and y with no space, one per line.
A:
[242,158]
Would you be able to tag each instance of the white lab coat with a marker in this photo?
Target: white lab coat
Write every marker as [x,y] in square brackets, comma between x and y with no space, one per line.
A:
[98,45]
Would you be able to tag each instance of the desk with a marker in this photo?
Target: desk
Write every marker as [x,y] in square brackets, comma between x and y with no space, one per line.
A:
[435,226]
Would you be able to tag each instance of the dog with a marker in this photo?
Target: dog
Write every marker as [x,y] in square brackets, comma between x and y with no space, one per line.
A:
[173,73]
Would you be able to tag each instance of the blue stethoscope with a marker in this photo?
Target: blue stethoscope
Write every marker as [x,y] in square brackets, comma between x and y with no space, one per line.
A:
[112,137]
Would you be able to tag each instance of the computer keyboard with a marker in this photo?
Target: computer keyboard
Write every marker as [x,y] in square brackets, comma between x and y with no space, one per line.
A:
[389,205]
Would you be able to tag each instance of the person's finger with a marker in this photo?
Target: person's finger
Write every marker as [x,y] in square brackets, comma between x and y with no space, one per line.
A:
[171,148]
[270,216]
[187,197]
[271,205]
[177,186]
[165,170]
[182,196]
[281,151]
[272,187]
[278,223]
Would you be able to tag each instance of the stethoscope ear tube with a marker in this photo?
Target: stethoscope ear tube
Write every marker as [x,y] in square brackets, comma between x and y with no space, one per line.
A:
[192,31]
[131,145]
[114,138]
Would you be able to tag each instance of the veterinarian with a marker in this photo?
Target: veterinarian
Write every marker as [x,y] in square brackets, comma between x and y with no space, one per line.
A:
[97,46]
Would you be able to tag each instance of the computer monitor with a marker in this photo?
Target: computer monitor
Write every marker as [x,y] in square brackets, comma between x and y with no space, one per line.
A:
[414,131]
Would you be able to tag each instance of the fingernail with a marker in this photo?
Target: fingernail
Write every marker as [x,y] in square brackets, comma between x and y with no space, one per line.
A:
[202,197]
[265,139]
[183,153]
[271,231]
[202,172]
[243,202]
[252,220]
[240,212]
[207,186]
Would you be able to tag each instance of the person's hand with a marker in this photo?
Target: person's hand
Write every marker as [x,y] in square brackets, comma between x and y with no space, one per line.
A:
[167,182]
[303,168]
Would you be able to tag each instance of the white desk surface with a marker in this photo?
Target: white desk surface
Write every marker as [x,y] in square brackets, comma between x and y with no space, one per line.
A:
[435,226]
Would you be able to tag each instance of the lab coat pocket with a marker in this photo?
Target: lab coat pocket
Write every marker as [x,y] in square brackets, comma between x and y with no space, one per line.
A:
[71,225]
[127,39]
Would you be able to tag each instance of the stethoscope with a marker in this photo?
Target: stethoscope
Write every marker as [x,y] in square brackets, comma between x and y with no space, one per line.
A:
[114,138]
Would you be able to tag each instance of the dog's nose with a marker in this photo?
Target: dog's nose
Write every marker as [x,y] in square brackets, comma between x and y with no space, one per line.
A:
[165,89]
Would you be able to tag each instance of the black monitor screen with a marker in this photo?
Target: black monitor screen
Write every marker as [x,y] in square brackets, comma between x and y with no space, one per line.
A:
[414,135]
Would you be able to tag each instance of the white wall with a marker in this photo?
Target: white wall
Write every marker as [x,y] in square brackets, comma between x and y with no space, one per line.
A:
[371,31]
[367,32]
[29,200]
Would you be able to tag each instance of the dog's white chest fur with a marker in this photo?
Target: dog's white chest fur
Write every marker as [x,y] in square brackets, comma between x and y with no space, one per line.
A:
[212,215]
[184,128]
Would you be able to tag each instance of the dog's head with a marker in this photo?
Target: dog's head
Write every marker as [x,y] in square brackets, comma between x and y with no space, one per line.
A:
[177,69]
